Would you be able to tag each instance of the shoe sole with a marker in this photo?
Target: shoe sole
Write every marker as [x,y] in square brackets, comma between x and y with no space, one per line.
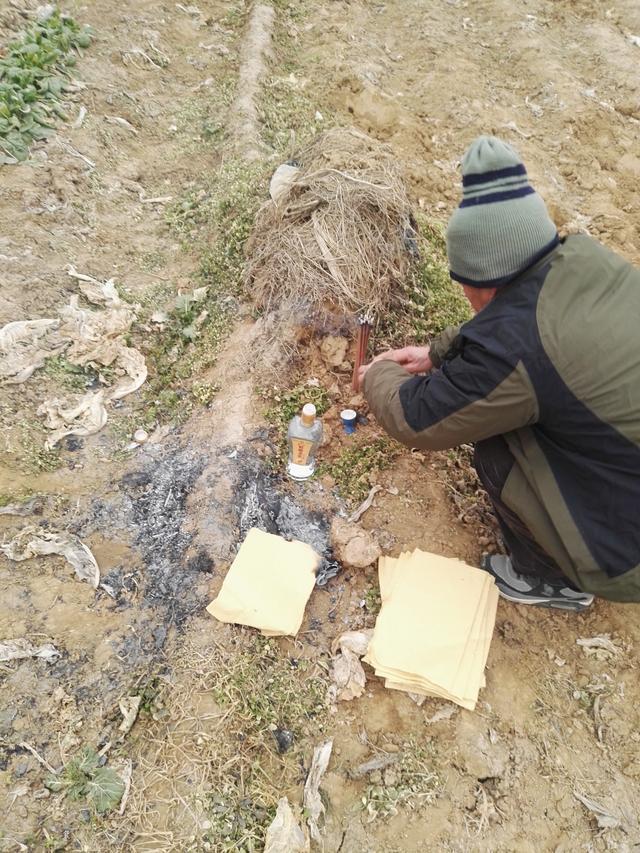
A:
[552,604]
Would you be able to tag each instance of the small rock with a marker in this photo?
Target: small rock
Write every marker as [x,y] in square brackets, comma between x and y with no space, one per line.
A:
[354,546]
[72,443]
[333,350]
[482,759]
[283,739]
[140,436]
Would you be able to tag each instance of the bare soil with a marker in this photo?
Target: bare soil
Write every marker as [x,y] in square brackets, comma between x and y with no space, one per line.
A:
[560,81]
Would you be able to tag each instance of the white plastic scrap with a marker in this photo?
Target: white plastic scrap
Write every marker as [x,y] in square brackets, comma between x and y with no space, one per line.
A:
[284,835]
[604,818]
[348,675]
[87,337]
[20,649]
[604,642]
[281,182]
[24,346]
[21,507]
[86,417]
[129,707]
[36,542]
[98,292]
[313,805]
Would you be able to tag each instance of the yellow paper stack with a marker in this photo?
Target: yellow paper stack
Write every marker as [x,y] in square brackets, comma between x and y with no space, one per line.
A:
[268,584]
[434,628]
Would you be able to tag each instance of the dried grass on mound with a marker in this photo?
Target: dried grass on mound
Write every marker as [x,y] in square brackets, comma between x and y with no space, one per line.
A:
[340,236]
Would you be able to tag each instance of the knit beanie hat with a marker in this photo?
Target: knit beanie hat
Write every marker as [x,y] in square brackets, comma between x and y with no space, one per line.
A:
[501,225]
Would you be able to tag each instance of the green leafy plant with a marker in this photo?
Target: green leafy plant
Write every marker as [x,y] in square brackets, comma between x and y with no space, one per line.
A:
[353,470]
[84,779]
[33,80]
[429,301]
[409,784]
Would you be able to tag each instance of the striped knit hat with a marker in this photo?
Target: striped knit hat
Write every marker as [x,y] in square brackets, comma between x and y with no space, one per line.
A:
[501,225]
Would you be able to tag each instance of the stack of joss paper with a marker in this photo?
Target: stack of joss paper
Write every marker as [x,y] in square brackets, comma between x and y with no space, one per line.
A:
[434,628]
[268,584]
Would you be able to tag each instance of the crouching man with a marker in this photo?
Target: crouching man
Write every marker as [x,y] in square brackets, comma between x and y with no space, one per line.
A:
[545,380]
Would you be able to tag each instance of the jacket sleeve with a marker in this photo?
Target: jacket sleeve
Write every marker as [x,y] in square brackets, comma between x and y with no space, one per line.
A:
[441,345]
[472,396]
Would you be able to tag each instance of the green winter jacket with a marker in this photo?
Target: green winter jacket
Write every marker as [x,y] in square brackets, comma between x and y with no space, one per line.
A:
[553,364]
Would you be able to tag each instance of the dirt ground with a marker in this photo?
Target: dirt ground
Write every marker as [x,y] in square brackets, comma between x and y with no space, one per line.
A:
[550,760]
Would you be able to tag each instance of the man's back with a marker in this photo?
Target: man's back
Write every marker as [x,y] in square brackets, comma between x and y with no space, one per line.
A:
[571,326]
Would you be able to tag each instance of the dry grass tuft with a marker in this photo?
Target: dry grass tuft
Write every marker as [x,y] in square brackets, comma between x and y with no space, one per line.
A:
[340,237]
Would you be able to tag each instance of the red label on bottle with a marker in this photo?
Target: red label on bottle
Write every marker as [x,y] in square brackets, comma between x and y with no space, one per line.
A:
[300,450]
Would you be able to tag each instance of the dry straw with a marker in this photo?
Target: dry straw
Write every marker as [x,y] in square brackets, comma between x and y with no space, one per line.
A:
[339,237]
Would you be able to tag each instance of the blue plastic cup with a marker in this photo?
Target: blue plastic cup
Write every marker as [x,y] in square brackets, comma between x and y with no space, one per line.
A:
[348,418]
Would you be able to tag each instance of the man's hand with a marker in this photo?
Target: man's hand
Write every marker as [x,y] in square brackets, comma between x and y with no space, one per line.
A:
[413,359]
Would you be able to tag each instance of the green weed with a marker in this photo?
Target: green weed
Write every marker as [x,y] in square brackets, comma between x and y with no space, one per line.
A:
[33,72]
[373,600]
[219,216]
[152,261]
[283,405]
[410,783]
[355,469]
[84,779]
[73,376]
[35,455]
[266,689]
[431,301]
[285,110]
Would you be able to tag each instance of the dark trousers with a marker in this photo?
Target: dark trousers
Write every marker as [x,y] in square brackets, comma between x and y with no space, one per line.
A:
[493,462]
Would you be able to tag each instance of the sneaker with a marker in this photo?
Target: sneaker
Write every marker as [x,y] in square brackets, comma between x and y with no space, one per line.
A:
[526,589]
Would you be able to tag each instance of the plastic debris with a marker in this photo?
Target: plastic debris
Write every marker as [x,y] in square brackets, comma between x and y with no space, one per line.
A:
[125,772]
[98,292]
[603,642]
[36,542]
[87,338]
[20,649]
[348,675]
[313,805]
[22,507]
[443,713]
[24,347]
[129,707]
[86,417]
[604,818]
[281,181]
[284,835]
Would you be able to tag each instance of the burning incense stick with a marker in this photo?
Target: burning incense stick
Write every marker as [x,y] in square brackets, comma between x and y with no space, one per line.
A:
[366,322]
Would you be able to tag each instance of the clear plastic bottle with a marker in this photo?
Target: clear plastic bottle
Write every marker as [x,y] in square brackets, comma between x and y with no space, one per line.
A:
[303,436]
